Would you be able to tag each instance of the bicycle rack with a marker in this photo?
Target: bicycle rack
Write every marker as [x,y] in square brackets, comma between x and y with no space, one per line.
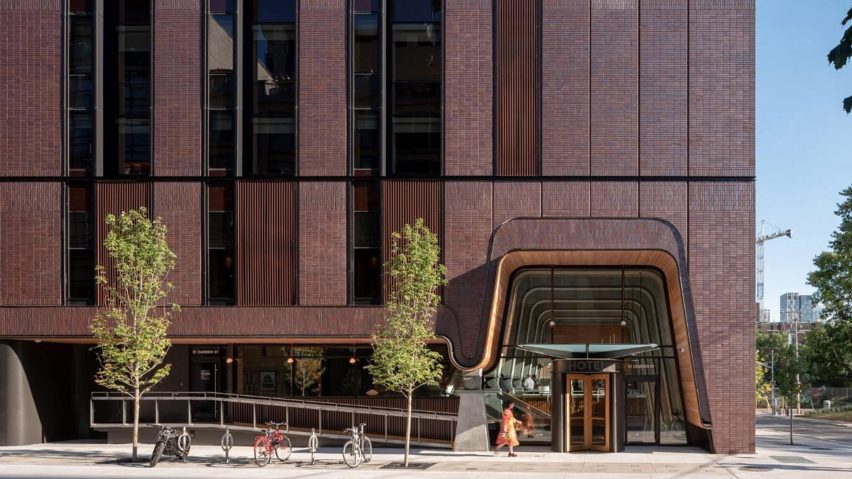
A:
[227,443]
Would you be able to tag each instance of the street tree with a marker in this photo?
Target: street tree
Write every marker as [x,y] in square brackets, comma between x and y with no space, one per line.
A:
[829,347]
[832,277]
[130,330]
[402,361]
[840,54]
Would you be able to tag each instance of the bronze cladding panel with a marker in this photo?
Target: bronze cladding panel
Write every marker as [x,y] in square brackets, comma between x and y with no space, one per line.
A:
[517,66]
[115,198]
[266,237]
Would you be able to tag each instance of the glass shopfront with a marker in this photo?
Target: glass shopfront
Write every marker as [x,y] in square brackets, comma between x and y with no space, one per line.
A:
[637,400]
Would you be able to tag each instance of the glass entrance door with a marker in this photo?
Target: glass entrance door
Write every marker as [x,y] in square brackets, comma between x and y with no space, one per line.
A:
[588,403]
[642,409]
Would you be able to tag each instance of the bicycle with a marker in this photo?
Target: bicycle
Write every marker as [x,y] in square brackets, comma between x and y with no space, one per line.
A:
[357,449]
[272,440]
[171,443]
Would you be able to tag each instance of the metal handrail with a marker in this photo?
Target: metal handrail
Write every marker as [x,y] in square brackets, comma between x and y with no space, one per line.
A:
[528,405]
[275,401]
[254,401]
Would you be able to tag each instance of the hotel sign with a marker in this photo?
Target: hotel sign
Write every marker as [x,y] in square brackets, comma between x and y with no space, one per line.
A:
[590,366]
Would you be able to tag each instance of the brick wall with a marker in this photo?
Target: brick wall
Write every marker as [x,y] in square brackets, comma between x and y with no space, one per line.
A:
[663,83]
[668,201]
[322,88]
[565,86]
[468,70]
[467,231]
[567,199]
[721,87]
[31,87]
[721,271]
[614,90]
[30,244]
[177,81]
[179,205]
[323,244]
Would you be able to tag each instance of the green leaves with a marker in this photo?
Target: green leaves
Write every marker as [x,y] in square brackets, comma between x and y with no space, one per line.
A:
[832,277]
[839,55]
[402,361]
[130,330]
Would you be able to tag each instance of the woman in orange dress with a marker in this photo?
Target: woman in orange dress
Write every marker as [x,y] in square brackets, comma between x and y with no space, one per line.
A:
[508,435]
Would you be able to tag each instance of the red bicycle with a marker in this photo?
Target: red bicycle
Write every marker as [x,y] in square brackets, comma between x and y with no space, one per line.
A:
[273,441]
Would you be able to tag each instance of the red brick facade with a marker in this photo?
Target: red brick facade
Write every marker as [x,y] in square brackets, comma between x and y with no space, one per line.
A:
[322,88]
[176,56]
[655,95]
[30,244]
[30,139]
[323,244]
[179,206]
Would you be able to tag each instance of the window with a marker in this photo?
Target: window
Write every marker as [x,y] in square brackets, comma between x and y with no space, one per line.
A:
[366,87]
[221,264]
[270,68]
[80,88]
[127,87]
[415,87]
[366,243]
[81,244]
[221,88]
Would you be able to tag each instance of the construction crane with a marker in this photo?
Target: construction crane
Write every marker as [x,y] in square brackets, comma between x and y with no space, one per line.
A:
[762,238]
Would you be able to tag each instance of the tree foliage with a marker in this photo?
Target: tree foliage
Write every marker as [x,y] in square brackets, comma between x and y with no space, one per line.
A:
[130,330]
[828,354]
[840,54]
[401,360]
[829,347]
[832,277]
[787,366]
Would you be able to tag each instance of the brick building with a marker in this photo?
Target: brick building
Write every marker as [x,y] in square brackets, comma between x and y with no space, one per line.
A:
[587,164]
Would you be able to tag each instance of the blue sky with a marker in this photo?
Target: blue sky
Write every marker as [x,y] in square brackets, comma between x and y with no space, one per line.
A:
[804,138]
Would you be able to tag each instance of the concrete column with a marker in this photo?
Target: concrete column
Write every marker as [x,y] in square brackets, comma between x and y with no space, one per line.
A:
[19,420]
[472,424]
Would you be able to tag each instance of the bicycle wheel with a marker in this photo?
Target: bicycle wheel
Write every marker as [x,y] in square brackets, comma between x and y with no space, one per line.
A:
[283,449]
[351,454]
[262,455]
[158,453]
[367,449]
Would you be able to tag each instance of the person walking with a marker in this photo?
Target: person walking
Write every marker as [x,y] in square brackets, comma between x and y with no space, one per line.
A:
[508,435]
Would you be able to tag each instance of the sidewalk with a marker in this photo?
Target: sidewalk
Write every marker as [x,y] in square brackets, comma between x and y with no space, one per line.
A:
[823,449]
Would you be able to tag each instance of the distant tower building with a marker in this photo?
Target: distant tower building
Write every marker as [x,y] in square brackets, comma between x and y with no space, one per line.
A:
[765,317]
[789,306]
[808,313]
[800,305]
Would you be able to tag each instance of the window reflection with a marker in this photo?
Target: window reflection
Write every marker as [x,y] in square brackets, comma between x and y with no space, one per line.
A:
[220,243]
[272,73]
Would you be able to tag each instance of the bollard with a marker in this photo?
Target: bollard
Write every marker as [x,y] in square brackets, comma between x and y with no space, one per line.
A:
[227,443]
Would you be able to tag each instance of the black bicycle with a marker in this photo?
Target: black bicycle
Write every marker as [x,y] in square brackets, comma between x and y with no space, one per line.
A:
[170,443]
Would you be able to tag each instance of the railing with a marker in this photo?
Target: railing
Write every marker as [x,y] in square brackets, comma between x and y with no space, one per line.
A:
[218,410]
[528,405]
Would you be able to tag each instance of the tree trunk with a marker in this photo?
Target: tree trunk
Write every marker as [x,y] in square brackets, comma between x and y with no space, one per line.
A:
[136,404]
[408,430]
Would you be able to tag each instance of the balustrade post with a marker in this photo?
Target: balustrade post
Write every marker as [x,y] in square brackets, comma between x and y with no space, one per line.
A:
[189,411]
[156,411]
[123,411]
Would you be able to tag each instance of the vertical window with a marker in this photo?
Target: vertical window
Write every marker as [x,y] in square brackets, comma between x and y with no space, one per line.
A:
[81,244]
[221,87]
[270,70]
[127,82]
[80,88]
[415,87]
[366,243]
[366,86]
[221,264]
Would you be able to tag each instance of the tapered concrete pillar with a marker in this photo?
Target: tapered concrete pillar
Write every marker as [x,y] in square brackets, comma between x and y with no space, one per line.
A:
[472,424]
[19,420]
